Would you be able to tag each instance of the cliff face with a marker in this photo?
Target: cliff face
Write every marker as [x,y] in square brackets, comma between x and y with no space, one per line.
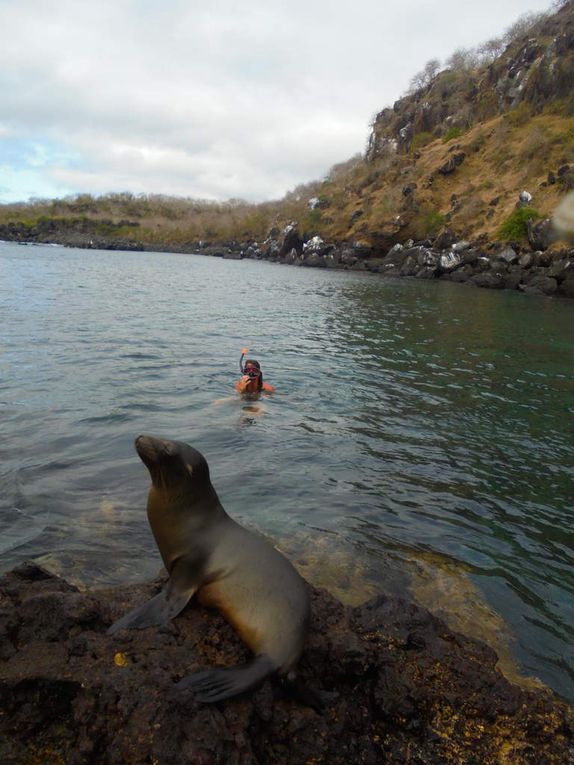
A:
[536,69]
[460,149]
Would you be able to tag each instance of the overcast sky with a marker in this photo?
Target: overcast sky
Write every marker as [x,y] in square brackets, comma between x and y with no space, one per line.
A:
[213,99]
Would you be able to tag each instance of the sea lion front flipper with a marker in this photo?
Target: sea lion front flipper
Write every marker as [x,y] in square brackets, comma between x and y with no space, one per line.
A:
[159,610]
[152,612]
[167,604]
[218,684]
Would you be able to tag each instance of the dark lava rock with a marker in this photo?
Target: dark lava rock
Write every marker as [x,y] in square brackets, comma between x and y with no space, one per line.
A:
[566,288]
[540,234]
[507,255]
[397,687]
[451,164]
[540,285]
[445,239]
[488,279]
[561,267]
[291,241]
[461,275]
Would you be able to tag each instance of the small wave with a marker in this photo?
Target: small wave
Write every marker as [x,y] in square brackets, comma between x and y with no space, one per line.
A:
[106,418]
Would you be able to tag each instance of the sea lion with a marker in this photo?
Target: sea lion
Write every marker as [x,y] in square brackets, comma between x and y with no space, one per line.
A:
[206,552]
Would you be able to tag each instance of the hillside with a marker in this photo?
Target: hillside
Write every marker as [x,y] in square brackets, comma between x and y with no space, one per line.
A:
[455,152]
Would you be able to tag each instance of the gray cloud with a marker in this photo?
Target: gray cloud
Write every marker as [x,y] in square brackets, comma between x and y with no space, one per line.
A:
[215,99]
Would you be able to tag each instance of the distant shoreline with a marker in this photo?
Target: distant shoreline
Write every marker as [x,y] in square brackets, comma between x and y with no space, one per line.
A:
[486,265]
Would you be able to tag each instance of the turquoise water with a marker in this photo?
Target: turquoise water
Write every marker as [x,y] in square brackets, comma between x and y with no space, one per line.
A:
[414,424]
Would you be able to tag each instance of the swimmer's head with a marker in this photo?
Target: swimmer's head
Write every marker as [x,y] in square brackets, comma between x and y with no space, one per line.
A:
[563,219]
[252,369]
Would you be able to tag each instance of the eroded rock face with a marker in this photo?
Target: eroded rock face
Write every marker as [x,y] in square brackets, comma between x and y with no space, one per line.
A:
[397,687]
[291,240]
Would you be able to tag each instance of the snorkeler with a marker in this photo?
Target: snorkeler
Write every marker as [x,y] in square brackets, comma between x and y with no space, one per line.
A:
[252,377]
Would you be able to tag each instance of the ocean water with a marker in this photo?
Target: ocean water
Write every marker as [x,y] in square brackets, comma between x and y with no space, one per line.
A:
[420,439]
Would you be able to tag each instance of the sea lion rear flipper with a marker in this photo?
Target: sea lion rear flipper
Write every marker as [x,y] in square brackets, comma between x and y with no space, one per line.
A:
[218,684]
[159,610]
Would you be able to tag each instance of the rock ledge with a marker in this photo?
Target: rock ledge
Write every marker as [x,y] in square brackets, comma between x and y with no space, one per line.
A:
[401,688]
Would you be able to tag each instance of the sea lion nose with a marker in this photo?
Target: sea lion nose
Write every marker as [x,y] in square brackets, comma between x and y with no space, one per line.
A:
[153,447]
[147,446]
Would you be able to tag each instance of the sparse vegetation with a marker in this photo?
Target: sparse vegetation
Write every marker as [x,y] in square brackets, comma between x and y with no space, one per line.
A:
[452,133]
[427,223]
[515,226]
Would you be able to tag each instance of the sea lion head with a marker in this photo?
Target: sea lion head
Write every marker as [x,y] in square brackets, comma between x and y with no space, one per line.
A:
[173,465]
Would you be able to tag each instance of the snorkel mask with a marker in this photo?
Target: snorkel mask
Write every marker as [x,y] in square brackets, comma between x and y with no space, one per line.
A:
[251,368]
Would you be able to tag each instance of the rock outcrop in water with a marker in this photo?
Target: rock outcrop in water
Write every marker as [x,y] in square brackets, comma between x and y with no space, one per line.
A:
[399,687]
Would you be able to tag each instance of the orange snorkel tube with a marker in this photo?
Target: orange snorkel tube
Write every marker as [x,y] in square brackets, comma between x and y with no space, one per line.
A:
[243,352]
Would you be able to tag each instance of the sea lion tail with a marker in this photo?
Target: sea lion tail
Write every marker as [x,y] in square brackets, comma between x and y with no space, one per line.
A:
[218,684]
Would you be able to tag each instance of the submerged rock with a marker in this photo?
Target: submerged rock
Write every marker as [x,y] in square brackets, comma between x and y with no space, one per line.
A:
[397,686]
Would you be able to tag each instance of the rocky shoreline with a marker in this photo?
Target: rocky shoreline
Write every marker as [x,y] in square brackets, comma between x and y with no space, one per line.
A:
[398,687]
[540,269]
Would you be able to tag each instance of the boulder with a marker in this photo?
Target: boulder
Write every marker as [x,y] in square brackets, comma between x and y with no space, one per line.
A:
[313,260]
[396,255]
[291,258]
[489,280]
[426,273]
[482,264]
[333,259]
[445,239]
[348,257]
[291,240]
[470,257]
[449,261]
[540,234]
[271,248]
[410,264]
[526,260]
[513,277]
[461,275]
[566,287]
[561,267]
[252,251]
[540,285]
[452,163]
[543,259]
[363,249]
[507,255]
